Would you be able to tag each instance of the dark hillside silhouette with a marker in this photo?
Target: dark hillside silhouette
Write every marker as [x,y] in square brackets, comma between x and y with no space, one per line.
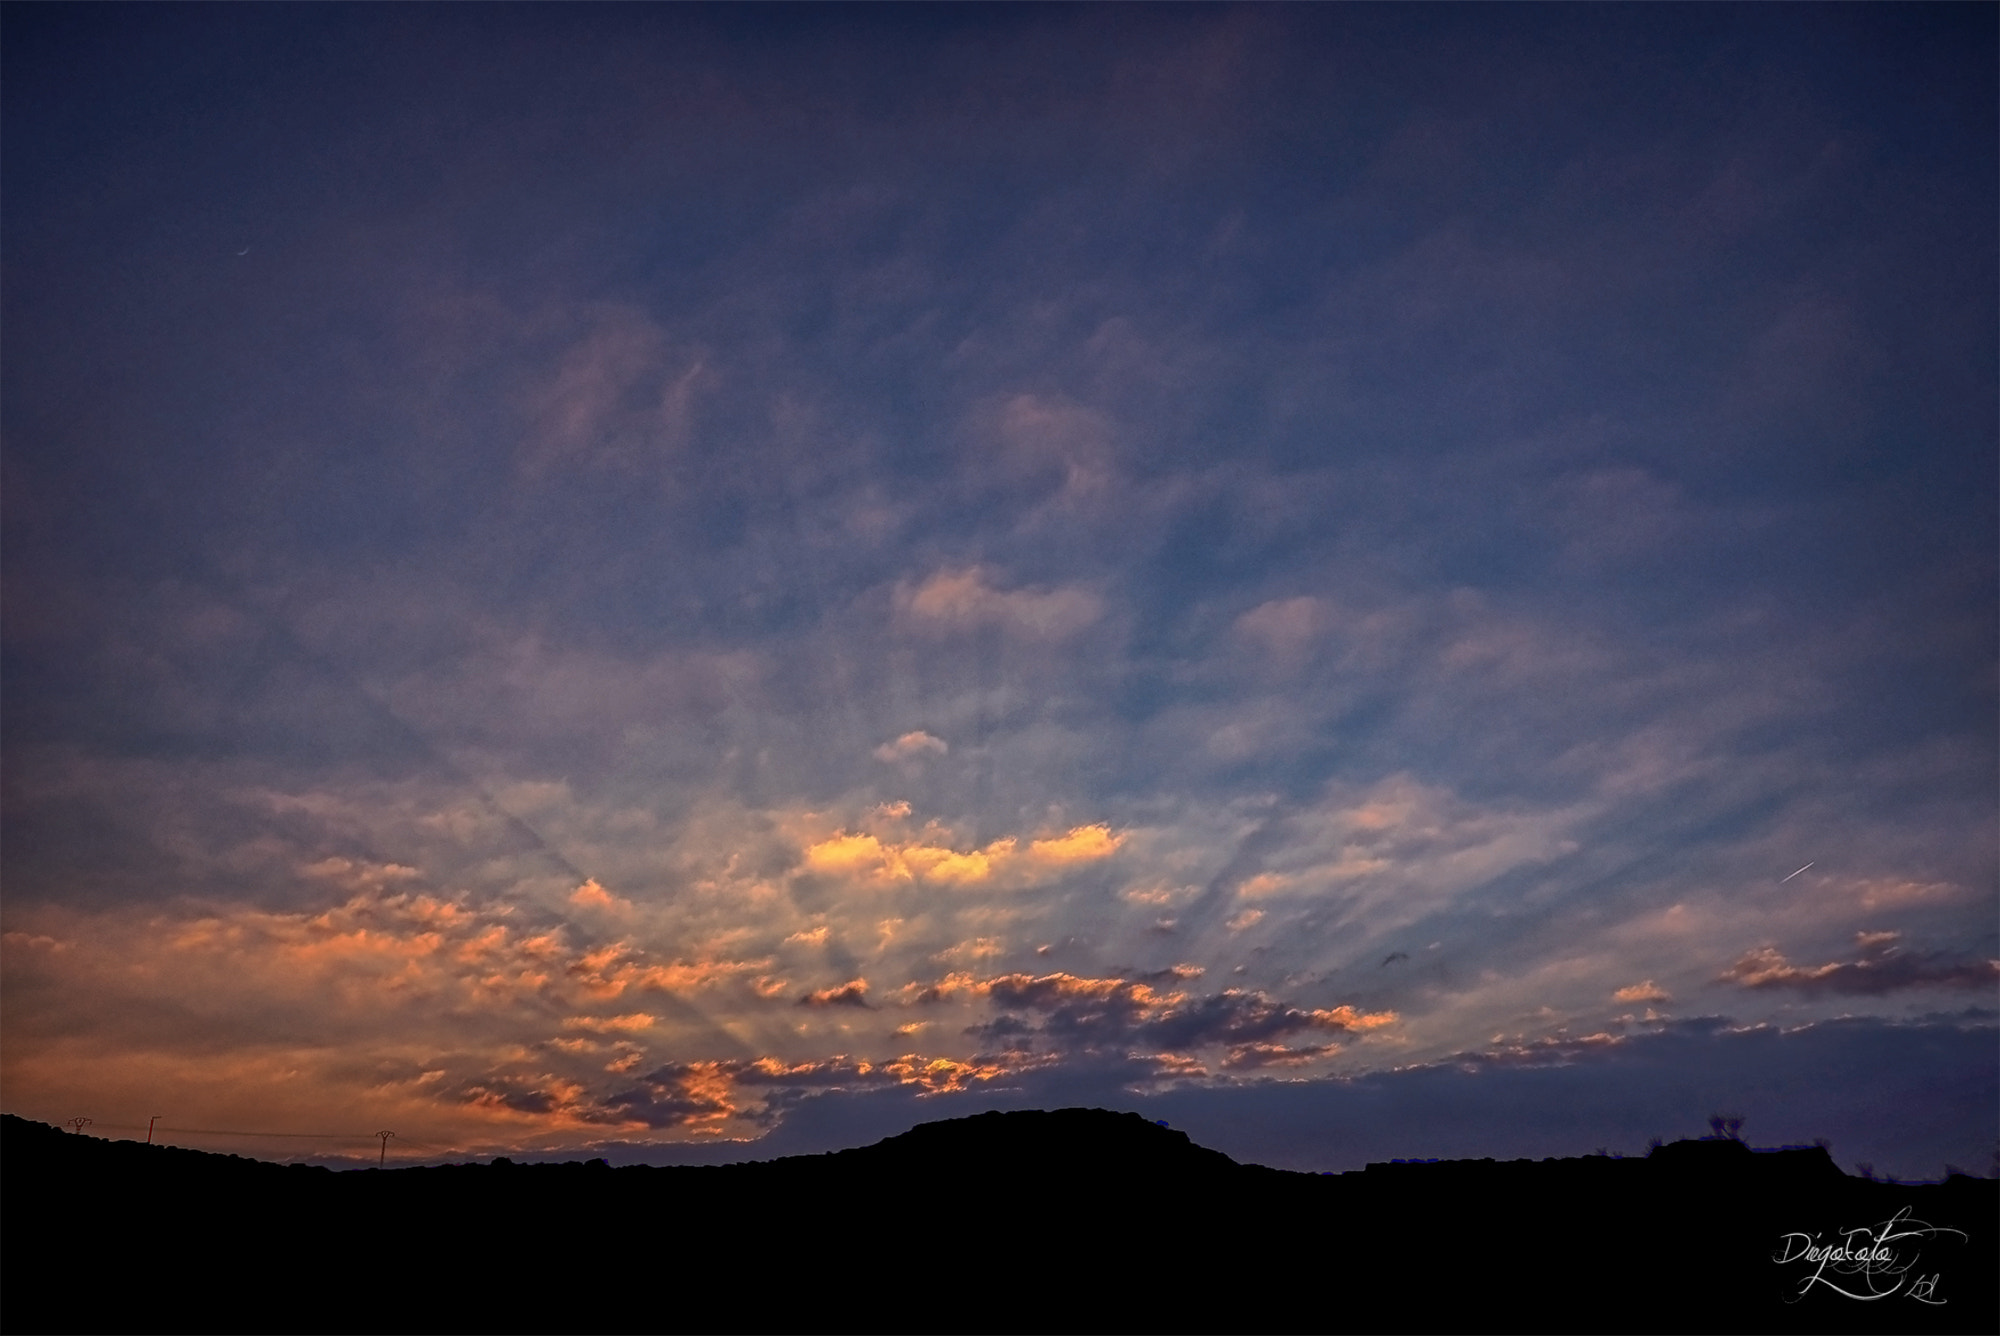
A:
[1079,1219]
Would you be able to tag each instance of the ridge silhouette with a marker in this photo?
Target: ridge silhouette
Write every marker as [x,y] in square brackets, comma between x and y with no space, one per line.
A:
[1073,1219]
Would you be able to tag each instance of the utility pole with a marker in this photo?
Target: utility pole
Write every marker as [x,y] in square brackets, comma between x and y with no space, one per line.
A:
[149,1128]
[79,1124]
[384,1158]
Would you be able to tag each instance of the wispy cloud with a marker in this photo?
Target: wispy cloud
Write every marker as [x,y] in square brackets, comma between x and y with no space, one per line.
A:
[967,600]
[913,745]
[1878,966]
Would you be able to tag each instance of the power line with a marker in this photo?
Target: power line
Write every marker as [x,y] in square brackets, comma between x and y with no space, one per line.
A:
[155,1126]
[237,1132]
[310,1136]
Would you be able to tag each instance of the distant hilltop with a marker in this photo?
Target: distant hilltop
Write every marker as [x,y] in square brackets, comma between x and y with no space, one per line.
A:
[1073,1219]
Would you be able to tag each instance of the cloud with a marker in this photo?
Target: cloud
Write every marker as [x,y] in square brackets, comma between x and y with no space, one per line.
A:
[1288,628]
[1898,893]
[978,948]
[637,1020]
[912,746]
[348,1007]
[1879,967]
[757,1093]
[1054,446]
[866,858]
[966,600]
[590,895]
[1126,1014]
[695,1096]
[357,877]
[1082,844]
[617,397]
[1243,1016]
[1396,850]
[869,859]
[851,994]
[516,687]
[1647,991]
[1251,1057]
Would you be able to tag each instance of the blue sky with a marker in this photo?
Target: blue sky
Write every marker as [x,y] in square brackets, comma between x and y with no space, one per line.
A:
[697,581]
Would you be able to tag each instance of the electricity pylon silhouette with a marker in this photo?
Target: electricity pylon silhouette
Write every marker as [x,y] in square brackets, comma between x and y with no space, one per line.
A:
[79,1124]
[384,1158]
[149,1127]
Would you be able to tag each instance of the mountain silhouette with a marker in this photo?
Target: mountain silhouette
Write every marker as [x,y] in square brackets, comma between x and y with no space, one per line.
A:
[1074,1219]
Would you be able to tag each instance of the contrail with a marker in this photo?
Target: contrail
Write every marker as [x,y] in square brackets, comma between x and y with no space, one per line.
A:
[1787,877]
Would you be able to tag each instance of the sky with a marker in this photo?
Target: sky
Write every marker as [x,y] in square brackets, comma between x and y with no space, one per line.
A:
[696,583]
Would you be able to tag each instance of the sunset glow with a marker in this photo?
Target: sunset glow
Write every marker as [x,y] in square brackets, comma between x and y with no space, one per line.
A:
[663,578]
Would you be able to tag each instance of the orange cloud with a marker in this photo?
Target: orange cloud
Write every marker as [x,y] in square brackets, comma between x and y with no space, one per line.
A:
[1082,844]
[852,854]
[1047,988]
[702,1095]
[950,867]
[590,895]
[348,1008]
[1643,992]
[853,993]
[941,1075]
[867,858]
[1347,1018]
[637,1020]
[952,985]
[610,970]
[911,746]
[686,976]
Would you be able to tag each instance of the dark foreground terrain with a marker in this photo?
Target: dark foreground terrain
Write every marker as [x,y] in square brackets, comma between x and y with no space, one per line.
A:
[1077,1220]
